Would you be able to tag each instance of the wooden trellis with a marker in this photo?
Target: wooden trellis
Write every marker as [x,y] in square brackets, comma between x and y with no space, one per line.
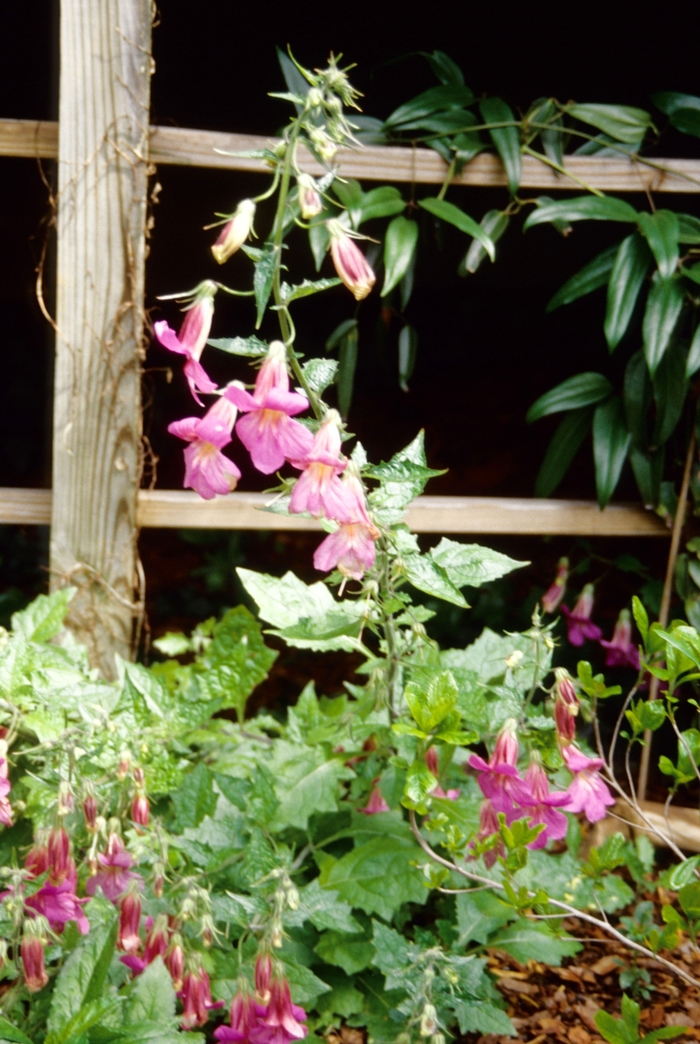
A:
[104,152]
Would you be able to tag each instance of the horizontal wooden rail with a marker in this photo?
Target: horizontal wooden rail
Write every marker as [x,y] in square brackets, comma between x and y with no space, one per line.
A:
[198,148]
[179,509]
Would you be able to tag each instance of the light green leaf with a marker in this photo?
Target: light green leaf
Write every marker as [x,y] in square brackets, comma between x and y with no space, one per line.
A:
[378,876]
[305,289]
[173,643]
[593,275]
[431,704]
[251,347]
[43,618]
[481,1016]
[196,798]
[320,373]
[324,909]
[471,564]
[11,1033]
[402,479]
[584,389]
[626,279]
[399,249]
[431,578]
[663,309]
[384,201]
[506,139]
[81,979]
[614,1030]
[306,781]
[391,954]
[582,208]
[622,122]
[494,224]
[660,230]
[445,211]
[352,953]
[611,441]
[480,915]
[533,940]
[641,617]
[153,999]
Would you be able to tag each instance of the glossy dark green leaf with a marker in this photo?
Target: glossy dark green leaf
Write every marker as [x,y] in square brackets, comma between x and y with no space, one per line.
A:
[347,363]
[447,71]
[296,83]
[408,347]
[693,362]
[688,228]
[582,208]
[637,395]
[621,122]
[262,282]
[593,275]
[670,390]
[648,468]
[494,224]
[628,273]
[660,230]
[584,389]
[611,442]
[505,139]
[692,273]
[450,122]
[663,309]
[384,201]
[319,241]
[338,334]
[683,110]
[435,99]
[562,450]
[399,249]
[440,208]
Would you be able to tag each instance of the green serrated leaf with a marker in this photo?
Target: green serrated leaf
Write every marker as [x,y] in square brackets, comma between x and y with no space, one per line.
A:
[250,347]
[153,999]
[533,940]
[262,281]
[320,373]
[352,953]
[471,564]
[43,618]
[305,289]
[378,876]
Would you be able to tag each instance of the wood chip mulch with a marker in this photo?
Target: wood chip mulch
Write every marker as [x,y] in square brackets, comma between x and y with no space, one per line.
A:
[550,1005]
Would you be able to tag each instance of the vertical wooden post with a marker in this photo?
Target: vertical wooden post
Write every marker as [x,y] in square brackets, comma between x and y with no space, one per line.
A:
[103,160]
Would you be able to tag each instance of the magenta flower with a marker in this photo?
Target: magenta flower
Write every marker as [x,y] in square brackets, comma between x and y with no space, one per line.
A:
[196,998]
[375,804]
[175,961]
[578,619]
[283,1021]
[191,339]
[319,490]
[350,549]
[5,787]
[207,470]
[115,877]
[622,652]
[268,432]
[59,904]
[500,772]
[588,793]
[129,938]
[32,952]
[244,1018]
[263,977]
[554,594]
[566,706]
[488,826]
[539,805]
[350,263]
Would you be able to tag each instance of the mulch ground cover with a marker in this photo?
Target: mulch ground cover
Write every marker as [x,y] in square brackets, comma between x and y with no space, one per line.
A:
[559,1004]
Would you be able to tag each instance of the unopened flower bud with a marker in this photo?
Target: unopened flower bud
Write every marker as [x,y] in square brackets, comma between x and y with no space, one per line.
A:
[428,1021]
[124,764]
[235,232]
[554,594]
[310,203]
[32,952]
[314,98]
[566,706]
[138,777]
[140,809]
[65,802]
[90,811]
[130,920]
[208,930]
[350,263]
[158,879]
[263,976]
[292,897]
[276,938]
[60,862]
[157,939]
[175,961]
[3,953]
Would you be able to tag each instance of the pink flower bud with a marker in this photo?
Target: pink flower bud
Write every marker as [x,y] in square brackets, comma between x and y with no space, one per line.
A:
[175,961]
[196,998]
[130,920]
[263,975]
[310,203]
[90,811]
[157,939]
[431,761]
[37,859]
[124,759]
[566,706]
[554,594]
[61,864]
[65,802]
[235,232]
[376,803]
[350,263]
[32,951]
[140,810]
[138,776]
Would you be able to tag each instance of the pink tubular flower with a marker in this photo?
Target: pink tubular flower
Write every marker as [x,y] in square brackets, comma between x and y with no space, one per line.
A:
[244,1017]
[539,805]
[61,864]
[235,232]
[319,489]
[175,961]
[5,787]
[115,877]
[263,977]
[350,263]
[587,792]
[376,803]
[283,1021]
[130,920]
[566,706]
[578,619]
[59,904]
[207,470]
[621,651]
[500,772]
[37,859]
[554,594]
[90,811]
[488,826]
[32,951]
[268,432]
[140,809]
[191,339]
[196,998]
[351,548]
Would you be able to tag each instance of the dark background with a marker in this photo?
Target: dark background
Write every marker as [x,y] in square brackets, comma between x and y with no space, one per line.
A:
[486,347]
